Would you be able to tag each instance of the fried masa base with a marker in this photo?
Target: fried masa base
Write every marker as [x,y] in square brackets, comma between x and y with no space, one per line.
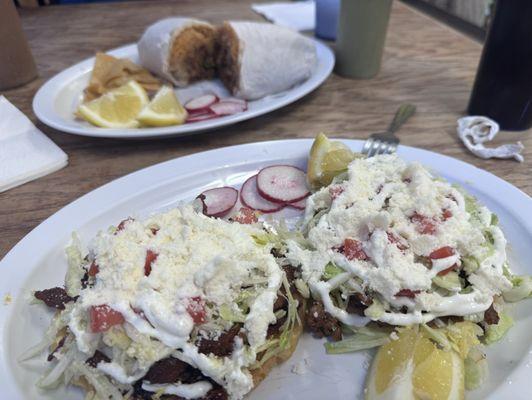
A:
[258,374]
[261,373]
[192,53]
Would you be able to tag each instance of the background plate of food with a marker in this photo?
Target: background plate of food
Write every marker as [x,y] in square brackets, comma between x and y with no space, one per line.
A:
[184,76]
[38,261]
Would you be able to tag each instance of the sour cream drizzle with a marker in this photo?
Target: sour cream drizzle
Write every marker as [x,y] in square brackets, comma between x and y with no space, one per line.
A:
[384,198]
[188,391]
[197,256]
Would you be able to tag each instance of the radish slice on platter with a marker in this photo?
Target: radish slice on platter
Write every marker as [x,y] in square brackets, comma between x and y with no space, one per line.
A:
[219,201]
[300,205]
[236,100]
[201,103]
[227,108]
[282,184]
[251,198]
[201,117]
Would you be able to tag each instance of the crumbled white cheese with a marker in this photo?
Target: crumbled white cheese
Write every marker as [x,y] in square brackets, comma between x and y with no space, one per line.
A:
[196,257]
[386,200]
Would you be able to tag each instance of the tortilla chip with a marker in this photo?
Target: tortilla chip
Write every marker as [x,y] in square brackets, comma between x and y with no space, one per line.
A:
[110,72]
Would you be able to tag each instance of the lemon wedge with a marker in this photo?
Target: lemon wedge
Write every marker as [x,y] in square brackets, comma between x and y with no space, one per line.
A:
[118,108]
[163,110]
[327,159]
[413,367]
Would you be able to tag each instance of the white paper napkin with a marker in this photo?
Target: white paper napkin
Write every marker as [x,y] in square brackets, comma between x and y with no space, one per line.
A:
[25,152]
[474,131]
[299,15]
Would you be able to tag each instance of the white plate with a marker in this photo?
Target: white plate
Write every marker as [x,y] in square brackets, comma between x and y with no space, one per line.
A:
[38,262]
[57,100]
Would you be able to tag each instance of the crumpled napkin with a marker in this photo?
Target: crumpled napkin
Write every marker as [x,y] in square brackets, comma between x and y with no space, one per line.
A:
[298,15]
[25,152]
[474,131]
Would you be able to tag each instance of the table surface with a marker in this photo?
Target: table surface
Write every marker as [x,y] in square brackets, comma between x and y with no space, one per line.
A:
[425,63]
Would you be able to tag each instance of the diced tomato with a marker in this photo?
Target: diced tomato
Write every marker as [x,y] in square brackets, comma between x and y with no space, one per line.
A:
[442,252]
[245,216]
[335,191]
[352,249]
[196,309]
[446,214]
[151,256]
[93,269]
[395,240]
[104,317]
[123,223]
[447,270]
[407,293]
[424,225]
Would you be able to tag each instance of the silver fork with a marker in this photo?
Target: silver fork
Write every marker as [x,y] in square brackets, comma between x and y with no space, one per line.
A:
[386,142]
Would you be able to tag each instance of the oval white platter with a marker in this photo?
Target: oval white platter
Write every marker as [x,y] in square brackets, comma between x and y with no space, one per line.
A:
[57,100]
[38,262]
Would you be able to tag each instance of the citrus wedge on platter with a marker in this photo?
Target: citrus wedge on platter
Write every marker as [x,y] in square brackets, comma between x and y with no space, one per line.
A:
[414,367]
[327,159]
[163,110]
[117,108]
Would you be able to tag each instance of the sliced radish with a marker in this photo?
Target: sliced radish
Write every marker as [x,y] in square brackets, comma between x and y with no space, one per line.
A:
[236,100]
[201,103]
[282,184]
[300,205]
[227,108]
[201,117]
[251,198]
[219,201]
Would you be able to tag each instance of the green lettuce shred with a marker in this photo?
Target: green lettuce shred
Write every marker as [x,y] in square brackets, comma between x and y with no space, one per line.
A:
[331,271]
[438,336]
[227,313]
[475,368]
[273,347]
[358,341]
[375,310]
[75,269]
[522,289]
[496,332]
[449,281]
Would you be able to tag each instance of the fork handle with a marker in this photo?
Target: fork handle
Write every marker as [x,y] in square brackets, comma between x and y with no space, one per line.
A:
[402,114]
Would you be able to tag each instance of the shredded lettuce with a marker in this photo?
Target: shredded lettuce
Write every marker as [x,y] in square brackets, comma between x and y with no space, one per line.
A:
[273,347]
[104,388]
[438,336]
[302,288]
[522,289]
[75,271]
[331,271]
[449,281]
[496,332]
[375,310]
[475,368]
[358,341]
[470,264]
[229,313]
